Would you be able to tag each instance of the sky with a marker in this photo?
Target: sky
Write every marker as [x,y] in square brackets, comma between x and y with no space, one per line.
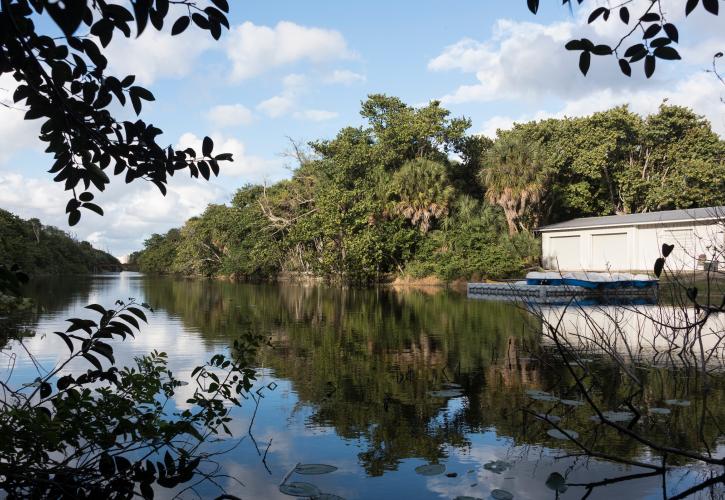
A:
[300,69]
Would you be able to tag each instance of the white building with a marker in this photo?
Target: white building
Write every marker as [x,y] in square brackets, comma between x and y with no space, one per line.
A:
[633,242]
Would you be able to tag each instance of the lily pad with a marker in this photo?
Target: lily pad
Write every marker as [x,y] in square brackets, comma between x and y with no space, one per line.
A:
[497,466]
[541,395]
[501,495]
[466,497]
[315,469]
[677,402]
[556,482]
[551,418]
[614,416]
[572,402]
[557,434]
[299,489]
[446,393]
[660,411]
[328,496]
[430,469]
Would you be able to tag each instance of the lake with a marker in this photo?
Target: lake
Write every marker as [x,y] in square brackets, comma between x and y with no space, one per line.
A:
[379,382]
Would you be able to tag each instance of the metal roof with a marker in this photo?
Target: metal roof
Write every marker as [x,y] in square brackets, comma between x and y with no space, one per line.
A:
[692,214]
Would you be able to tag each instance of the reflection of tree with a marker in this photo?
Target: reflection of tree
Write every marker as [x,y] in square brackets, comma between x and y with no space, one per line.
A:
[365,361]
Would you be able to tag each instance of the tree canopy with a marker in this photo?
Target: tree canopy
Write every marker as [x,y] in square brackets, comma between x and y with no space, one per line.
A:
[411,194]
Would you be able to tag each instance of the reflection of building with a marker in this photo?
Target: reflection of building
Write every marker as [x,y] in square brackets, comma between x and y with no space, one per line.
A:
[633,242]
[641,331]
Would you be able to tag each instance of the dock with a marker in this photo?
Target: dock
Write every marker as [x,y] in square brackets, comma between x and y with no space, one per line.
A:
[558,294]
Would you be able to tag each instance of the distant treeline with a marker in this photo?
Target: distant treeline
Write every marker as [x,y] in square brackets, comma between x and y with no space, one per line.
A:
[412,194]
[40,249]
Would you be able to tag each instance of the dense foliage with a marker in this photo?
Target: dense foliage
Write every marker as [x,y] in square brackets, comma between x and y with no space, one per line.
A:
[40,249]
[411,194]
[63,80]
[377,200]
[110,431]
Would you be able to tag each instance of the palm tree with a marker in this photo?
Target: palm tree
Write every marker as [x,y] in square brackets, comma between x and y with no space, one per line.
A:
[514,177]
[421,192]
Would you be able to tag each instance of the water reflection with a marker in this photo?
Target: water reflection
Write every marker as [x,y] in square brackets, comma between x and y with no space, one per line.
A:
[356,374]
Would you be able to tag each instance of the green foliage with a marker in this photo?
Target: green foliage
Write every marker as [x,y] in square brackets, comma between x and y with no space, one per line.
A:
[387,198]
[39,249]
[110,432]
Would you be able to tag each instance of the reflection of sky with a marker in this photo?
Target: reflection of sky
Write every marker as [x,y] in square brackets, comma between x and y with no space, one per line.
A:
[295,438]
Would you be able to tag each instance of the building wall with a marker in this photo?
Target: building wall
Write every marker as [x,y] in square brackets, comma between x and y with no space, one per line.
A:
[631,248]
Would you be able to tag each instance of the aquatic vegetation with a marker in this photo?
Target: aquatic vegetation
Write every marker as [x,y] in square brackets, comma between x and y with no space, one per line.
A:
[430,469]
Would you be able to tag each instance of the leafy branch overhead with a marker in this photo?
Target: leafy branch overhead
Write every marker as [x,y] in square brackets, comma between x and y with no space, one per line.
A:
[62,80]
[657,35]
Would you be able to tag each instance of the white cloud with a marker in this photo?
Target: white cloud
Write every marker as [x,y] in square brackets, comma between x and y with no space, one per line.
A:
[344,77]
[256,49]
[229,115]
[524,60]
[315,115]
[274,107]
[156,54]
[700,92]
[16,133]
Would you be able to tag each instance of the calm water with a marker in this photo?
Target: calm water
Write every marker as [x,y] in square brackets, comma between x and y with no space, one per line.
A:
[348,382]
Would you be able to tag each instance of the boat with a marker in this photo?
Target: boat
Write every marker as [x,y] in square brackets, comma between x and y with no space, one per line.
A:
[553,287]
[603,281]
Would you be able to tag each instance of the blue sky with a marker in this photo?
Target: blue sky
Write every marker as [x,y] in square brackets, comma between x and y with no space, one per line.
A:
[300,69]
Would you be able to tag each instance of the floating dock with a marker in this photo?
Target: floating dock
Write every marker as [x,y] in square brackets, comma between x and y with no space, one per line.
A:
[558,294]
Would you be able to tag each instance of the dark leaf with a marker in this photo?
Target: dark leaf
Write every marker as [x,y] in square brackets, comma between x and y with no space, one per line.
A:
[649,65]
[105,465]
[45,390]
[574,45]
[711,6]
[207,146]
[672,32]
[224,6]
[138,312]
[666,52]
[625,67]
[650,17]
[66,339]
[180,25]
[692,293]
[596,13]
[93,207]
[624,15]
[667,249]
[585,60]
[93,360]
[690,6]
[659,266]
[64,382]
[86,196]
[67,14]
[601,50]
[73,217]
[122,464]
[652,30]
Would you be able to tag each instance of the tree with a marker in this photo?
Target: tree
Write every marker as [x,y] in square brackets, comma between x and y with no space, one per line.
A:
[514,178]
[63,82]
[421,192]
[650,20]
